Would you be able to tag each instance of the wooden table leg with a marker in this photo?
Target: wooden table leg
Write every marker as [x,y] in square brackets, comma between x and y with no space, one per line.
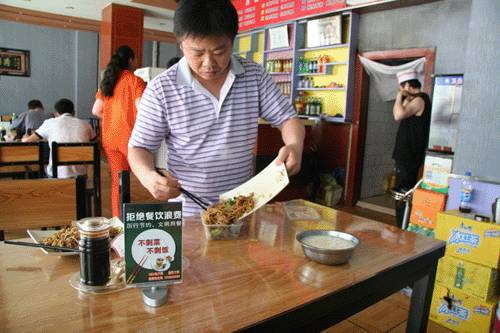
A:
[421,302]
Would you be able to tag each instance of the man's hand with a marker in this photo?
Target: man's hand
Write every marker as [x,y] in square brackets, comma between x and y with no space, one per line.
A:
[402,94]
[291,155]
[161,187]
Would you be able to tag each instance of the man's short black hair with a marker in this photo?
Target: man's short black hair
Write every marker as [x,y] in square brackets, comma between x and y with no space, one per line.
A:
[34,103]
[64,105]
[203,18]
[414,83]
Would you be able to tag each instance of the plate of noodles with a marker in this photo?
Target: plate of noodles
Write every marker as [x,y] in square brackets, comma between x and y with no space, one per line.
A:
[224,219]
[67,236]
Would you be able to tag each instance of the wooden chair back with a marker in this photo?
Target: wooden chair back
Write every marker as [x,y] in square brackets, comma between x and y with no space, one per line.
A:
[131,190]
[87,153]
[21,157]
[44,202]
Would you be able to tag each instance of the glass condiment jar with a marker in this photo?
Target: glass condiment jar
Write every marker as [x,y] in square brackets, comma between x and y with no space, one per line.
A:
[94,251]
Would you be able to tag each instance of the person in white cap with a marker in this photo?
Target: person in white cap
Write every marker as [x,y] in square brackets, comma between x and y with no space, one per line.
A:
[412,110]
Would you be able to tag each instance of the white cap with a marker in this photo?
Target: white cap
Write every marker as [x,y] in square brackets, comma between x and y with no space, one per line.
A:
[409,74]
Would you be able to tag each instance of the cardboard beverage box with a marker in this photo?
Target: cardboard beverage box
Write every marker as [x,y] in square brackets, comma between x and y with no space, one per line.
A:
[425,207]
[460,312]
[478,242]
[473,279]
[437,169]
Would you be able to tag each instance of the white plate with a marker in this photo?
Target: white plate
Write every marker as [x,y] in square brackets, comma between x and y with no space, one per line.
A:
[39,235]
[265,186]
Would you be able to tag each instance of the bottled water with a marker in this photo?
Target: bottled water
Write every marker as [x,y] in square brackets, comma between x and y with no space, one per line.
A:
[466,193]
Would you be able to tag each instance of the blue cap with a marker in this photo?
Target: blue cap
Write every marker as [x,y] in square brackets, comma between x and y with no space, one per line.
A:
[468,173]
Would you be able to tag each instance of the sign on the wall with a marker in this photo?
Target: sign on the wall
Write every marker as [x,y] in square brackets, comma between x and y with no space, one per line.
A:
[258,13]
[446,106]
[14,62]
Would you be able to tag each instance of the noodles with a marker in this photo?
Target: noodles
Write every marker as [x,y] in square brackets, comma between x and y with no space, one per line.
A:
[227,212]
[69,237]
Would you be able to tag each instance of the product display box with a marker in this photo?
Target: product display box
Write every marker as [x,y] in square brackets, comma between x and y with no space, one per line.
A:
[473,279]
[467,239]
[425,207]
[437,169]
[460,312]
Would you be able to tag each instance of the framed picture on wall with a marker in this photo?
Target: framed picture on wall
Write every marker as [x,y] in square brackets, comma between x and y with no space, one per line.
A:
[324,31]
[14,62]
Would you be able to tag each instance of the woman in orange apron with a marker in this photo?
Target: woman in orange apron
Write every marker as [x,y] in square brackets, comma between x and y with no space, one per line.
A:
[116,105]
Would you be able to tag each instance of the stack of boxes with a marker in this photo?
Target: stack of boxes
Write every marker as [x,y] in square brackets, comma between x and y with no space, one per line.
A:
[467,283]
[425,207]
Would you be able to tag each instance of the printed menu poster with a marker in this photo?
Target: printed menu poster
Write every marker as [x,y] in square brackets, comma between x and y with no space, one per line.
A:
[259,13]
[153,243]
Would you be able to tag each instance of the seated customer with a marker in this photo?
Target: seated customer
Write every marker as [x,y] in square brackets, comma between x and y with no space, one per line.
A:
[63,128]
[31,119]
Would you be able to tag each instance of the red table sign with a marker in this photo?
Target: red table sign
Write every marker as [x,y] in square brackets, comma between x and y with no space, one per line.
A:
[258,13]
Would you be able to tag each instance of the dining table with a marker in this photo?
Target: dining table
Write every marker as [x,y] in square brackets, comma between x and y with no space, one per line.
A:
[259,282]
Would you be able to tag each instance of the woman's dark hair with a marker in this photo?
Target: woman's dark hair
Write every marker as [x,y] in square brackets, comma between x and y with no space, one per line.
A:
[203,18]
[64,105]
[119,61]
[34,103]
[414,83]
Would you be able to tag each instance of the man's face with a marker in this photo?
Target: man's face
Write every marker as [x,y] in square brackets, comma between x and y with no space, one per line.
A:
[208,57]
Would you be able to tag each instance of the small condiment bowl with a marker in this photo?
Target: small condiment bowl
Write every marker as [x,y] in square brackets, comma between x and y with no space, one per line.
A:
[327,256]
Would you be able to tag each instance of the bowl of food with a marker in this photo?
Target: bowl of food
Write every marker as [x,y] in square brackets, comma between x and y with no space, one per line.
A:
[224,219]
[327,247]
[69,236]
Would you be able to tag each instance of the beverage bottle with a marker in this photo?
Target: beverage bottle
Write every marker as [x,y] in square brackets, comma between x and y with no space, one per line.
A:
[301,65]
[466,193]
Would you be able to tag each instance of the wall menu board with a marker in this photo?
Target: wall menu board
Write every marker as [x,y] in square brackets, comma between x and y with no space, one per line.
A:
[258,13]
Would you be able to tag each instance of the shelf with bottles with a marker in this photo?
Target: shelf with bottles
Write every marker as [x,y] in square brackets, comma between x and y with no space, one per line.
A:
[324,66]
[285,86]
[279,66]
[307,105]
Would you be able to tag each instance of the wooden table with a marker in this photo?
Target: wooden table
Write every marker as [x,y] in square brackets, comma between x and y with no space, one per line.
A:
[261,282]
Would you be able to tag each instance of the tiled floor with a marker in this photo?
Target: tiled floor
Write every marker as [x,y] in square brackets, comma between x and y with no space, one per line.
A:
[388,315]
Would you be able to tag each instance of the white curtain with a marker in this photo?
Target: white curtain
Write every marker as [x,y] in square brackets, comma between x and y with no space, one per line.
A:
[384,77]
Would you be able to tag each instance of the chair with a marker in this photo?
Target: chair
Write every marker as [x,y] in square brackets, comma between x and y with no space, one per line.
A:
[94,122]
[20,157]
[44,202]
[131,190]
[80,154]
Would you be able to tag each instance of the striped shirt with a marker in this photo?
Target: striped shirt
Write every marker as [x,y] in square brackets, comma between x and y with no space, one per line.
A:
[209,141]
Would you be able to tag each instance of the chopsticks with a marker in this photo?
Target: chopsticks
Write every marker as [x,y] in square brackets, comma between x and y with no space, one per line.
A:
[60,248]
[196,199]
[137,269]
